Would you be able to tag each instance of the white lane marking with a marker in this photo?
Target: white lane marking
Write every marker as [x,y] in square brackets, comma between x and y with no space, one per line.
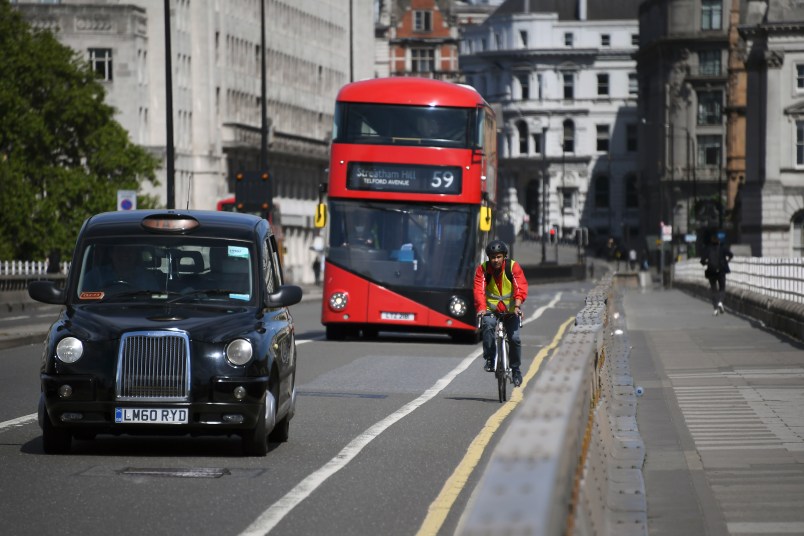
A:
[271,517]
[274,514]
[18,422]
[540,311]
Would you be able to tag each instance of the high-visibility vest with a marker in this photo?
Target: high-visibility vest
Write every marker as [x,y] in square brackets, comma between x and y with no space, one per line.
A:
[506,294]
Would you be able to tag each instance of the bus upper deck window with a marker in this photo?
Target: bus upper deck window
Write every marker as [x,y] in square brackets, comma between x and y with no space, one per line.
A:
[479,132]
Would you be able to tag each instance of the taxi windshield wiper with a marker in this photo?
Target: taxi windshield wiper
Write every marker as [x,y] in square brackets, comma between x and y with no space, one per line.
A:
[136,293]
[202,293]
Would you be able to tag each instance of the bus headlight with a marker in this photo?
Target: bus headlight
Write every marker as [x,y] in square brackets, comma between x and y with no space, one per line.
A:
[69,350]
[457,306]
[338,301]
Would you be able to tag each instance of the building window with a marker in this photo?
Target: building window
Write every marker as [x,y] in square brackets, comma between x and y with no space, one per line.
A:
[422,21]
[100,60]
[602,191]
[635,40]
[537,142]
[522,129]
[498,41]
[800,143]
[569,85]
[568,139]
[602,85]
[605,40]
[800,77]
[568,198]
[602,138]
[709,63]
[798,234]
[711,14]
[709,150]
[524,86]
[540,83]
[523,36]
[631,138]
[483,44]
[710,104]
[631,191]
[568,38]
[633,84]
[422,60]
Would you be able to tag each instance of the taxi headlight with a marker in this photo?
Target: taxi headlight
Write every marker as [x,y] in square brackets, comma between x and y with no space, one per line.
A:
[457,306]
[239,352]
[69,350]
[338,301]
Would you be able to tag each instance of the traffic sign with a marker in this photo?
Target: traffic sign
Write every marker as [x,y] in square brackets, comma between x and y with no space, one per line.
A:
[667,233]
[126,200]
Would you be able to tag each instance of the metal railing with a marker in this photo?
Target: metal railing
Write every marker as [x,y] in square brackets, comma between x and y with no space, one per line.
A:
[30,267]
[780,278]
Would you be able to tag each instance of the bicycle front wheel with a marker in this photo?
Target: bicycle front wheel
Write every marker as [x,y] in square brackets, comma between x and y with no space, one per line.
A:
[502,388]
[502,365]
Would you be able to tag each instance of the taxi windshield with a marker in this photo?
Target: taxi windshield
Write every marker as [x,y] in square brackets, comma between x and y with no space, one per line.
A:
[167,268]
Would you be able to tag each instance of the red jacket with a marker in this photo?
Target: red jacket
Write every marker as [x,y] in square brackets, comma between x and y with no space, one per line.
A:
[520,285]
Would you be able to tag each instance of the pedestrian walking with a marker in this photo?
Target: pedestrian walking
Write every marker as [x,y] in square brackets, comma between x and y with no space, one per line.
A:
[716,257]
[317,270]
[632,259]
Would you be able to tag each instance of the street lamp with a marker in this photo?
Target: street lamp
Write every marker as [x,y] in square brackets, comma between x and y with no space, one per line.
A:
[545,189]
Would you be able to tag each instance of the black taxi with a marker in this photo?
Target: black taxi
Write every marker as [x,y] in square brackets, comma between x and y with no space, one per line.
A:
[174,322]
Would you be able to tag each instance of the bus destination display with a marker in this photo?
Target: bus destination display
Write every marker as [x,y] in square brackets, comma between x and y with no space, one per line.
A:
[404,178]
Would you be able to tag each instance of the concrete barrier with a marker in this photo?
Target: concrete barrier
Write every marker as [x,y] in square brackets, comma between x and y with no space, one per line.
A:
[571,460]
[14,291]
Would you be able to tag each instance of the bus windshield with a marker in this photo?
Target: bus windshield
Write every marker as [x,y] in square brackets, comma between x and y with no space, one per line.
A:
[388,124]
[404,245]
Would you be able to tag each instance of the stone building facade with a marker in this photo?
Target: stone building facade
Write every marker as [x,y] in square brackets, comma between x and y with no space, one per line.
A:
[563,79]
[683,90]
[773,194]
[721,99]
[313,47]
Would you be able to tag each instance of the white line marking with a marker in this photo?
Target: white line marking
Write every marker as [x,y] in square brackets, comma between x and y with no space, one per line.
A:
[271,517]
[18,422]
[274,514]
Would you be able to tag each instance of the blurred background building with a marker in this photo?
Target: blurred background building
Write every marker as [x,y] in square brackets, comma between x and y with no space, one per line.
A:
[613,117]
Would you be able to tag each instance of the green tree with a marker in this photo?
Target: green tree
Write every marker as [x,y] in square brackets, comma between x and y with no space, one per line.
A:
[63,156]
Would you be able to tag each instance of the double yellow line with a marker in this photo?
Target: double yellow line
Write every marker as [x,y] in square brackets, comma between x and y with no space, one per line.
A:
[441,506]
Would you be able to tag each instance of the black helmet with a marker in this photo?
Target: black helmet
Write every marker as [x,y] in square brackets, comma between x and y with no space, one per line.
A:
[496,246]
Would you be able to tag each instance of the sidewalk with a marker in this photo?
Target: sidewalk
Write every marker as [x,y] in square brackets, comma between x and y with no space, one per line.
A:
[722,418]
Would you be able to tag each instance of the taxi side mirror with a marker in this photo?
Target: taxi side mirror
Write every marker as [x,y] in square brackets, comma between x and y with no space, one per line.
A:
[320,216]
[485,219]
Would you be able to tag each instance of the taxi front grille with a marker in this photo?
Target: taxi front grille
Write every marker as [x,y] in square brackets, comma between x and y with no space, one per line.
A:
[154,366]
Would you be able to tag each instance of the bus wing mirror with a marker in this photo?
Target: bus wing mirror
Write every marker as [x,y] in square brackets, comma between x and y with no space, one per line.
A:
[320,216]
[485,219]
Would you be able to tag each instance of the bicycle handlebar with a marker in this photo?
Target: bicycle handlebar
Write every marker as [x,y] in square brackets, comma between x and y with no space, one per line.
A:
[499,315]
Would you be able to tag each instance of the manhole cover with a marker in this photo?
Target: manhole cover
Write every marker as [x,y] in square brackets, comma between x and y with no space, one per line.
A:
[195,472]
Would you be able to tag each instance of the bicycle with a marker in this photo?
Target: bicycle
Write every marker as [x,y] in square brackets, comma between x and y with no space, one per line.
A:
[500,366]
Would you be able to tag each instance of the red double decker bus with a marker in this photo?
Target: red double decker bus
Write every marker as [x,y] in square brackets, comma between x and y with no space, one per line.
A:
[412,183]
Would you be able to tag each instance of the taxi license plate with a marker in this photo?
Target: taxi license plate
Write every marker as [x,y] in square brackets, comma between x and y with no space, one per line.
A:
[150,415]
[397,316]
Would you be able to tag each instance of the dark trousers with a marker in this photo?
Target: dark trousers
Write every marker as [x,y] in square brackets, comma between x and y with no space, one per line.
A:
[717,284]
[514,342]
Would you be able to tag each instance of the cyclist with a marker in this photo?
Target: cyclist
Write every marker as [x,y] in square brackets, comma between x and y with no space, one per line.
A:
[500,285]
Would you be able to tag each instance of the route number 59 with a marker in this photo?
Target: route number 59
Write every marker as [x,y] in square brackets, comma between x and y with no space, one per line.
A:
[441,179]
